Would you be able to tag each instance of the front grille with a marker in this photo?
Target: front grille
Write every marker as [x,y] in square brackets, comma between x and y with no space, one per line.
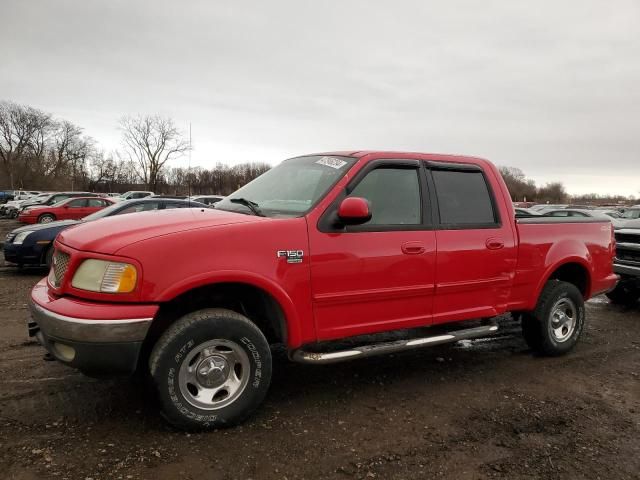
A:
[59,265]
[628,255]
[627,238]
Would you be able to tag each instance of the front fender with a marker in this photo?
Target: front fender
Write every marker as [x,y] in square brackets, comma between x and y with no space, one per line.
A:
[294,333]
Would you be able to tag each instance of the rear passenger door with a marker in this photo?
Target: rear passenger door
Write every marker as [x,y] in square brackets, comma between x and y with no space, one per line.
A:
[476,247]
[95,204]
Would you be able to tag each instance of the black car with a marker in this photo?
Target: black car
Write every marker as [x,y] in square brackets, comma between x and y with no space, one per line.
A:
[31,245]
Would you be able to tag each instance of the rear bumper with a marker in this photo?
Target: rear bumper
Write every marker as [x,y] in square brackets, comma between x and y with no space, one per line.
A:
[604,285]
[77,333]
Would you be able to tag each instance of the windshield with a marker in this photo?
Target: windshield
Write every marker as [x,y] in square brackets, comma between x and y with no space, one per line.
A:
[291,188]
[631,214]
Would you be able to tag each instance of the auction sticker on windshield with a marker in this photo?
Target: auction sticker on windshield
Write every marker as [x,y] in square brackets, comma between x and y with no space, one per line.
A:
[331,162]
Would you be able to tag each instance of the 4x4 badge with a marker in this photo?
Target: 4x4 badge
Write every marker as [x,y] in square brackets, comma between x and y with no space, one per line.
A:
[292,256]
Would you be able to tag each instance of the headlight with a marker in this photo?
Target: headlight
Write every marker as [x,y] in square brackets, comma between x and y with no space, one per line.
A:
[107,277]
[19,238]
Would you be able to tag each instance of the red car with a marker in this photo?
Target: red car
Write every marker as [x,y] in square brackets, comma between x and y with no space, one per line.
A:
[69,209]
[316,250]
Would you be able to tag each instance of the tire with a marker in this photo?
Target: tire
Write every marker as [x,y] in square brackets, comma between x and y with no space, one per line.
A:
[46,218]
[210,369]
[13,215]
[624,294]
[556,324]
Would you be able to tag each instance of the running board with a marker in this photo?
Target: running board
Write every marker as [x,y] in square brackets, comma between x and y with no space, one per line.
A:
[383,348]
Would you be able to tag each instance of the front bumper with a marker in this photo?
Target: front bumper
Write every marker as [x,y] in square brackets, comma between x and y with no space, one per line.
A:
[28,218]
[77,333]
[626,270]
[24,254]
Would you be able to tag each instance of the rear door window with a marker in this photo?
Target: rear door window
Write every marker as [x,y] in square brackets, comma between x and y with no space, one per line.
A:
[79,203]
[464,199]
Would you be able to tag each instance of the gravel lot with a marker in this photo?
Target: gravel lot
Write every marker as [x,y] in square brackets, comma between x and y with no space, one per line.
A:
[485,409]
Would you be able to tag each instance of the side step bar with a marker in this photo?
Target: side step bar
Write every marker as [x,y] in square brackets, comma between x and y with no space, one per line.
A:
[383,348]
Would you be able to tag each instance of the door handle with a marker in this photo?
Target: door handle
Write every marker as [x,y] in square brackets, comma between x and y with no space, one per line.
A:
[413,248]
[495,244]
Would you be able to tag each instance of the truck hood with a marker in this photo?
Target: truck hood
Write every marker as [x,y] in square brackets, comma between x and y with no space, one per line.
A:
[110,234]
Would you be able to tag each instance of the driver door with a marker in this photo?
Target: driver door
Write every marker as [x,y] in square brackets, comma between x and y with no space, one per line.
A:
[380,275]
[75,209]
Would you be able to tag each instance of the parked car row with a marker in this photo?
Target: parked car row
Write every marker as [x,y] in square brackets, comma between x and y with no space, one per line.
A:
[33,244]
[28,207]
[619,217]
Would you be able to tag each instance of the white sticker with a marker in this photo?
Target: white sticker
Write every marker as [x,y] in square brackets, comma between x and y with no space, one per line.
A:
[331,162]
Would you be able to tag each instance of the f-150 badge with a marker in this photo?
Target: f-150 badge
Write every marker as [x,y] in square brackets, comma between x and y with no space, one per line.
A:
[292,256]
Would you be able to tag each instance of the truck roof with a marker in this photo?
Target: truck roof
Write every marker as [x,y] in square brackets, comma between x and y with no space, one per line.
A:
[390,154]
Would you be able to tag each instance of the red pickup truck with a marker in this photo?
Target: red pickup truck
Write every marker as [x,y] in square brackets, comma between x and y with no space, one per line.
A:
[318,249]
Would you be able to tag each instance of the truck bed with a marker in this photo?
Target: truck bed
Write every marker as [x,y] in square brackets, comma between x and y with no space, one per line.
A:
[546,242]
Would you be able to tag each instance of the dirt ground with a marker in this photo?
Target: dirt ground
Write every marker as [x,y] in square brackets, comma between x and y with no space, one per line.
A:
[484,409]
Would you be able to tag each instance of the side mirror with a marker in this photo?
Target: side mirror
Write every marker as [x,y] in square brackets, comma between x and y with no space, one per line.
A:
[354,211]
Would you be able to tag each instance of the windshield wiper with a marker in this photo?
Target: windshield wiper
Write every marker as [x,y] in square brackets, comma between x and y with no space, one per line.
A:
[253,206]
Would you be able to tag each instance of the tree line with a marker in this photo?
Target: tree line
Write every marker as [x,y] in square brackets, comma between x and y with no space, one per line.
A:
[523,189]
[41,152]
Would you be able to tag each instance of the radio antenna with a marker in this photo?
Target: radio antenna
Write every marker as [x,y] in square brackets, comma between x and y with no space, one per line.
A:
[189,169]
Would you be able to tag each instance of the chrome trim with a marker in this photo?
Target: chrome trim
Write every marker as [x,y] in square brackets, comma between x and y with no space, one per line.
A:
[629,231]
[626,269]
[91,331]
[322,358]
[628,246]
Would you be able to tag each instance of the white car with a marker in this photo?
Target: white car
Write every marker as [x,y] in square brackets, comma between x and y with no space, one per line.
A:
[206,199]
[580,213]
[133,195]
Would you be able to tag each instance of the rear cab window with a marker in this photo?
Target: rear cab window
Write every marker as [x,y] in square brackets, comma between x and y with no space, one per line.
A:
[465,199]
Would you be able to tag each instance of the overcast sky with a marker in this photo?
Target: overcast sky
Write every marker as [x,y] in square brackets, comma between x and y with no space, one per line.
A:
[552,87]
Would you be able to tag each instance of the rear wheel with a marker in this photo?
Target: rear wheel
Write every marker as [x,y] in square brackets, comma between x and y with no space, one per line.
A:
[625,293]
[556,324]
[211,369]
[46,218]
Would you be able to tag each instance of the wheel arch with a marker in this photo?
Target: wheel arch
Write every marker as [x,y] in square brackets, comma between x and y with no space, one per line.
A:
[574,270]
[263,302]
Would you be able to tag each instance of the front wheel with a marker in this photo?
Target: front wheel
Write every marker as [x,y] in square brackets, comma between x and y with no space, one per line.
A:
[46,218]
[556,324]
[211,369]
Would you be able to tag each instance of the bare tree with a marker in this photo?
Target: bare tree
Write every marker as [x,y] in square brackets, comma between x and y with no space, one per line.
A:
[23,133]
[150,142]
[69,151]
[520,187]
